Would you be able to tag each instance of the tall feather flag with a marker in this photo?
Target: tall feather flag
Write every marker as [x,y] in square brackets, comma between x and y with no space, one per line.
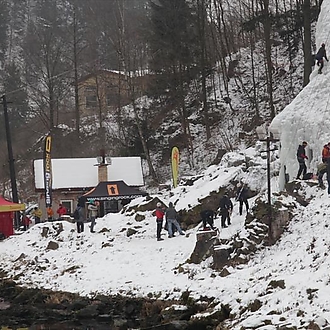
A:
[175,166]
[48,171]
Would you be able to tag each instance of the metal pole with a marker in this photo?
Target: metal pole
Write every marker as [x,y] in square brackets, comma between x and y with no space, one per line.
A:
[269,185]
[10,156]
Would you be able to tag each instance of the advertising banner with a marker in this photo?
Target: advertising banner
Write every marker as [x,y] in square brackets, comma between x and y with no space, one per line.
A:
[48,171]
[175,166]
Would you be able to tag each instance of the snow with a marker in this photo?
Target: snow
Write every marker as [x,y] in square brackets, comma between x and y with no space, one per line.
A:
[307,117]
[110,262]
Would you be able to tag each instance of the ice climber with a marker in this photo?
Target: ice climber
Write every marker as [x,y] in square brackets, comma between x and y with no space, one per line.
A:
[319,57]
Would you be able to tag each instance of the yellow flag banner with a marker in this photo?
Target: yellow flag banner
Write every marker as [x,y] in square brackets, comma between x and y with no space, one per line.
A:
[175,166]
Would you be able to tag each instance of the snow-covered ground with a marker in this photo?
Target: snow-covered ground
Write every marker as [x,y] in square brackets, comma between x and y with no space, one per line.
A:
[307,117]
[109,262]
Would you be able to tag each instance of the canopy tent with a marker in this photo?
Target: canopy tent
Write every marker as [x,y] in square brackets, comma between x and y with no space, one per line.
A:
[7,216]
[113,190]
[7,206]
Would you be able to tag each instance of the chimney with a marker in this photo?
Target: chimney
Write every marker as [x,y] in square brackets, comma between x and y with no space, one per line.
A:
[102,172]
[102,167]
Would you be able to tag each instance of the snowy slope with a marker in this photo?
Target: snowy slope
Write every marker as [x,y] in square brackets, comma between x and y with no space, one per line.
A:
[307,117]
[109,262]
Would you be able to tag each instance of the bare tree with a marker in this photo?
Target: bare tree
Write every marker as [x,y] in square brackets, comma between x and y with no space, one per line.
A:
[46,69]
[307,41]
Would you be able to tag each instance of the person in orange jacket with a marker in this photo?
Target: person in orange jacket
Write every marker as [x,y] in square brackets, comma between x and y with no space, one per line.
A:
[50,213]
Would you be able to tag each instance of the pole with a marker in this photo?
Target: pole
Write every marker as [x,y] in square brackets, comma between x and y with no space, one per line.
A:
[269,186]
[10,156]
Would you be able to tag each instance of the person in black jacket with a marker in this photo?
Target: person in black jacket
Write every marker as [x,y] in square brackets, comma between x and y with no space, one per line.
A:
[208,218]
[319,57]
[301,156]
[242,197]
[226,207]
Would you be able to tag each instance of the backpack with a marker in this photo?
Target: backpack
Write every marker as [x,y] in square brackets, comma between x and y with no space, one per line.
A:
[76,214]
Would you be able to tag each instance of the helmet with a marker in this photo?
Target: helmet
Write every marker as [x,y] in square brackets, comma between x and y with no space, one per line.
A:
[159,204]
[323,45]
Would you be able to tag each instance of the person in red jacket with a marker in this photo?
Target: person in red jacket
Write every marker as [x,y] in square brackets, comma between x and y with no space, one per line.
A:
[159,213]
[61,211]
[326,153]
[26,221]
[326,160]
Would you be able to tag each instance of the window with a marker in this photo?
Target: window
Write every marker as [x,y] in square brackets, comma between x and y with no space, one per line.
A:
[112,99]
[90,89]
[91,101]
[109,100]
[68,204]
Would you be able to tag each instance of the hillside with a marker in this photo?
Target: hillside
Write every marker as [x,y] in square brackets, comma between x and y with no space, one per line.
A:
[280,286]
[124,257]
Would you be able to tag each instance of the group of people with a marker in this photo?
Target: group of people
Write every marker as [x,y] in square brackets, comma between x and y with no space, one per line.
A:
[80,215]
[171,217]
[37,213]
[226,207]
[322,168]
[207,215]
[92,212]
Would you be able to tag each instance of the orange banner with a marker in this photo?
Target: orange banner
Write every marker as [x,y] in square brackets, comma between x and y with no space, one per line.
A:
[175,166]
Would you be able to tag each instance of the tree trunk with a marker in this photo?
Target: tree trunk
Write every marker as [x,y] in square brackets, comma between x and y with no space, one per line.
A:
[307,41]
[268,48]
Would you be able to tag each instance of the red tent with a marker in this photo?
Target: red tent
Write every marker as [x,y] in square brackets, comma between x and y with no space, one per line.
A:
[7,209]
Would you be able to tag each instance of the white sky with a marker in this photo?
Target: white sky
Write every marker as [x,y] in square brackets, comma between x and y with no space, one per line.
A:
[111,263]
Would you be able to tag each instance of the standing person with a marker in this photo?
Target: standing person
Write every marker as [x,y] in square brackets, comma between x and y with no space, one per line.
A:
[301,156]
[321,169]
[61,211]
[159,220]
[319,57]
[171,218]
[326,160]
[242,197]
[26,222]
[92,213]
[326,153]
[226,207]
[80,218]
[37,213]
[50,213]
[208,218]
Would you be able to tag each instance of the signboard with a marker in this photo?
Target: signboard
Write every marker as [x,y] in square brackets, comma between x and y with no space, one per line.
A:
[48,171]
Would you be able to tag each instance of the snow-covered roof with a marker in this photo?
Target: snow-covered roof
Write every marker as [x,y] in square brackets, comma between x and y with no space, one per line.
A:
[83,172]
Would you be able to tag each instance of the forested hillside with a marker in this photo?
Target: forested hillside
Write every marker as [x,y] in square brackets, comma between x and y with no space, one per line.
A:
[213,71]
